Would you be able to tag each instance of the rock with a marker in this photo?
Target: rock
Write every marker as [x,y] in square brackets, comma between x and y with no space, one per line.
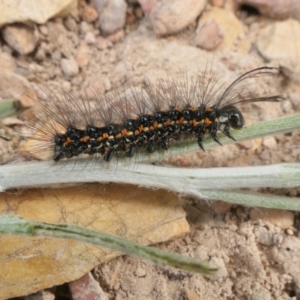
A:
[269,142]
[83,55]
[146,6]
[263,235]
[90,38]
[286,106]
[112,14]
[281,218]
[170,16]
[138,12]
[246,144]
[69,67]
[18,87]
[103,43]
[221,28]
[130,18]
[86,287]
[221,207]
[20,37]
[43,30]
[96,88]
[56,56]
[280,41]
[191,295]
[276,9]
[35,11]
[140,272]
[218,263]
[265,155]
[40,54]
[85,27]
[42,50]
[89,14]
[116,37]
[208,36]
[42,295]
[66,86]
[7,62]
[71,24]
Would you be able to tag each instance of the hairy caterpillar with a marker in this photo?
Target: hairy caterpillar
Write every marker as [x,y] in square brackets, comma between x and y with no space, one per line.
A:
[145,119]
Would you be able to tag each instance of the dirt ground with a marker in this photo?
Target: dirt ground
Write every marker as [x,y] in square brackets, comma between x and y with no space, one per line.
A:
[258,259]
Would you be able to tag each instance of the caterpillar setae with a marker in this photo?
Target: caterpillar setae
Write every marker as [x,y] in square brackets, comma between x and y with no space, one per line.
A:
[145,119]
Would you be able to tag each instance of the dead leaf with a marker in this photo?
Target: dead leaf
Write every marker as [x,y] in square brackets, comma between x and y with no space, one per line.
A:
[30,264]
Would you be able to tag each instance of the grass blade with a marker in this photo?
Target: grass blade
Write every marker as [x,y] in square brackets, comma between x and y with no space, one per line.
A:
[11,224]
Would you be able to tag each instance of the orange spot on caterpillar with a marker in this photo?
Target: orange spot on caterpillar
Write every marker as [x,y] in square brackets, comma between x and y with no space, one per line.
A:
[85,138]
[180,121]
[207,121]
[68,141]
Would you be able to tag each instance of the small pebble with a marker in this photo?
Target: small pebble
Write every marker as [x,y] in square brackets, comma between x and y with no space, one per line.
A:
[69,67]
[130,19]
[117,36]
[56,56]
[140,272]
[89,14]
[103,43]
[90,38]
[281,218]
[286,105]
[43,30]
[7,62]
[265,155]
[84,27]
[171,16]
[71,24]
[111,15]
[40,54]
[220,265]
[208,36]
[263,235]
[138,13]
[246,144]
[83,55]
[269,142]
[66,86]
[87,287]
[221,29]
[221,207]
[41,295]
[278,239]
[97,88]
[191,295]
[20,37]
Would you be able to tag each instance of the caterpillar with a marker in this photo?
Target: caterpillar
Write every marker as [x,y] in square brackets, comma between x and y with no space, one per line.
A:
[145,119]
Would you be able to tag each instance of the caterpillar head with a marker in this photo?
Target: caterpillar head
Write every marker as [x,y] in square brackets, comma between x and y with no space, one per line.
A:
[234,117]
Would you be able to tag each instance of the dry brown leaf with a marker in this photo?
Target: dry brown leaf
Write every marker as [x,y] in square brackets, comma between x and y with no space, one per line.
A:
[30,264]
